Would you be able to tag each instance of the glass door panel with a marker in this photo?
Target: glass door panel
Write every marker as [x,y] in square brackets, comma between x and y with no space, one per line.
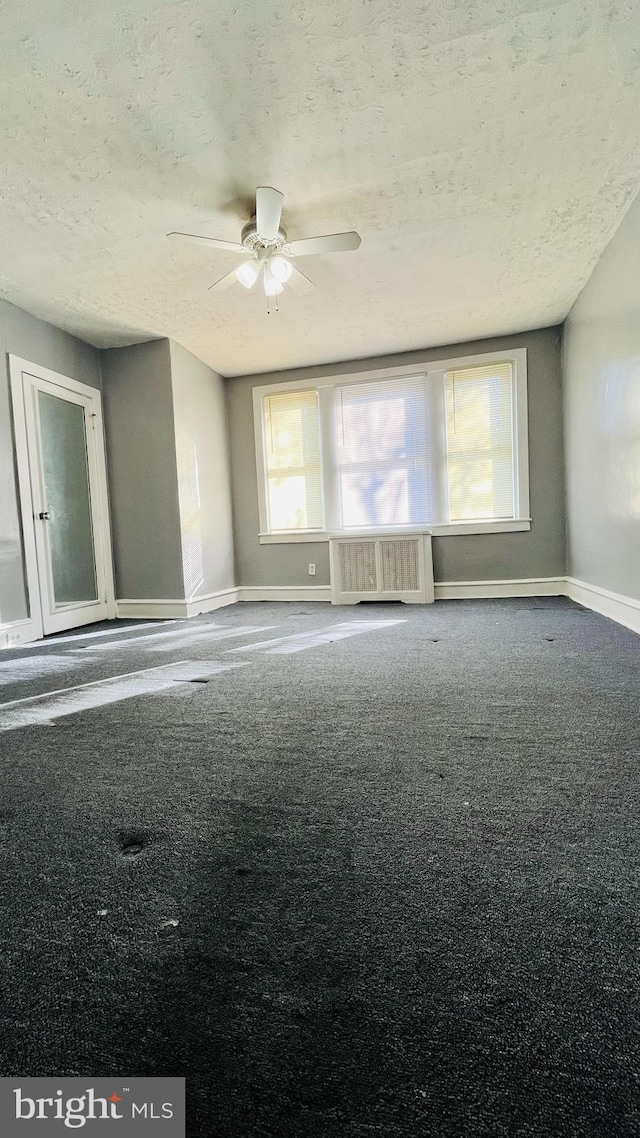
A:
[68,500]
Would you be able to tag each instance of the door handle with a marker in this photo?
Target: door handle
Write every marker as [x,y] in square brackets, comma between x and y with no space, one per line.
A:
[45,516]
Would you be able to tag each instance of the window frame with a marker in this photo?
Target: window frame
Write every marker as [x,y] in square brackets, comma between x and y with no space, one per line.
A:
[434,373]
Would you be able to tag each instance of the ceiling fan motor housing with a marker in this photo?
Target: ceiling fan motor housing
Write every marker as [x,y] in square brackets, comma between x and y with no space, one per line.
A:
[251,239]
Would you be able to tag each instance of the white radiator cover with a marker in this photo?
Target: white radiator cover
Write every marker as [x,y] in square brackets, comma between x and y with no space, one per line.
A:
[381,567]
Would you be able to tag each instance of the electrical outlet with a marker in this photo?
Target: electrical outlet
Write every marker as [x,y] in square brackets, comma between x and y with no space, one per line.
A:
[312,569]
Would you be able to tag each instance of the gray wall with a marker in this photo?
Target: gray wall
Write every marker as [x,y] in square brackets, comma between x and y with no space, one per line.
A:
[204,487]
[540,552]
[143,480]
[602,418]
[39,343]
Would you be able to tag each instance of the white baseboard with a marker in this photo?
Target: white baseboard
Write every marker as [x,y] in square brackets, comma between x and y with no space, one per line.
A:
[160,610]
[212,601]
[447,590]
[284,593]
[624,610]
[176,609]
[518,587]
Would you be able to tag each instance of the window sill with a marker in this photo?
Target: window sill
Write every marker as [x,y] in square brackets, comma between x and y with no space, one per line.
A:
[293,538]
[513,525]
[452,529]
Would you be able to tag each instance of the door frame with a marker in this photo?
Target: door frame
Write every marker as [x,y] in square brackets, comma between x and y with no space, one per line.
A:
[32,627]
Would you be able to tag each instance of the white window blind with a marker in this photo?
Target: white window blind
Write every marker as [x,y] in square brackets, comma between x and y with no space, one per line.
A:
[480,464]
[382,462]
[293,466]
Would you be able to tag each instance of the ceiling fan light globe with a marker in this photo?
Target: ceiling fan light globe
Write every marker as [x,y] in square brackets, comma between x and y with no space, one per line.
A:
[280,269]
[247,274]
[272,286]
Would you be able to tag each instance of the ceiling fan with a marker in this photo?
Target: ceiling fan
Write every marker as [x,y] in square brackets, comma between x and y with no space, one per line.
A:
[264,245]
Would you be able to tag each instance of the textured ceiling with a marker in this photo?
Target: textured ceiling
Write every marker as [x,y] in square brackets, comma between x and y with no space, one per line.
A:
[485,150]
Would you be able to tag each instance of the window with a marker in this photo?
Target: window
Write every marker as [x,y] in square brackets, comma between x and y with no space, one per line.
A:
[480,442]
[382,454]
[292,460]
[444,448]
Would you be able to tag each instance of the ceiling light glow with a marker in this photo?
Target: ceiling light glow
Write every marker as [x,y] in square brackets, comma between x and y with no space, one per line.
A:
[272,286]
[247,274]
[280,268]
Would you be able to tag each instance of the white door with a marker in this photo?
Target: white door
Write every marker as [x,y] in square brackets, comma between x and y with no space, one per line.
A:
[68,561]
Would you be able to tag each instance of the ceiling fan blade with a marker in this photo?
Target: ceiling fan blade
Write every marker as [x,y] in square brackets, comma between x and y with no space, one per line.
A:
[299,282]
[268,212]
[225,282]
[210,242]
[332,243]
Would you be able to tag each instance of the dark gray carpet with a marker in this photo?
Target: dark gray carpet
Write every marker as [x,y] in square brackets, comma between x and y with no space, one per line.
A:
[404,869]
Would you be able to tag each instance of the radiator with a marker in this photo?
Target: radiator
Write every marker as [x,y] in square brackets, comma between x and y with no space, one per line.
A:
[383,567]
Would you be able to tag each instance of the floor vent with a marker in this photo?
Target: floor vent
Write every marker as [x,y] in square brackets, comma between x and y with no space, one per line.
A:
[383,568]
